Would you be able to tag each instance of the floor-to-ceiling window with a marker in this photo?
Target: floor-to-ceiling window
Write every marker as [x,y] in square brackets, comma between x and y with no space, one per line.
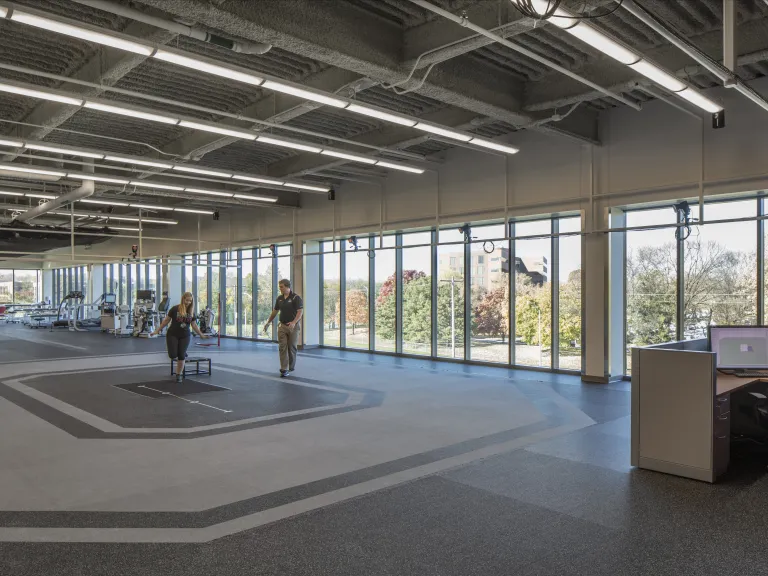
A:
[356,297]
[246,301]
[331,293]
[569,294]
[26,286]
[6,286]
[265,275]
[201,269]
[217,302]
[489,294]
[385,296]
[231,297]
[417,293]
[450,294]
[533,293]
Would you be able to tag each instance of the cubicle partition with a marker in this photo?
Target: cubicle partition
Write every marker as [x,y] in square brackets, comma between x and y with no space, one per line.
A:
[676,412]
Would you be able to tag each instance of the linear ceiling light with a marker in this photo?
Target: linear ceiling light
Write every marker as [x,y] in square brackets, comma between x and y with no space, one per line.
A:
[217,130]
[209,192]
[201,171]
[138,162]
[258,180]
[33,171]
[494,145]
[82,33]
[305,94]
[192,211]
[402,167]
[13,143]
[3,12]
[78,176]
[142,184]
[63,151]
[124,229]
[41,95]
[114,217]
[443,132]
[43,196]
[363,159]
[381,115]
[256,198]
[700,100]
[132,113]
[306,187]
[105,202]
[287,144]
[150,207]
[9,193]
[202,66]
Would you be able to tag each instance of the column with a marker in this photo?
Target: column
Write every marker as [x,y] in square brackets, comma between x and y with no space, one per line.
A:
[617,293]
[307,276]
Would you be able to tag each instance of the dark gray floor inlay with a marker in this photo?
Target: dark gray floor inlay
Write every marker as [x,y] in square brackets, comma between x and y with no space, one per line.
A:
[162,389]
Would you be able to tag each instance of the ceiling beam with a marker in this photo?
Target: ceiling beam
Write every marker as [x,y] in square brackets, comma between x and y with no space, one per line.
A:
[106,68]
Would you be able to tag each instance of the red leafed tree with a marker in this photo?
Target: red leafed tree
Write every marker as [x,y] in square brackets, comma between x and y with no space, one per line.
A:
[388,288]
[489,317]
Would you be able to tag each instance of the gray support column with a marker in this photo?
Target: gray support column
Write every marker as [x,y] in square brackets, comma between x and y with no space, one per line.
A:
[435,285]
[223,260]
[399,293]
[617,295]
[680,285]
[467,301]
[595,303]
[96,281]
[760,263]
[194,259]
[554,274]
[312,293]
[174,284]
[239,308]
[48,285]
[122,298]
[275,292]
[512,293]
[209,280]
[371,295]
[322,247]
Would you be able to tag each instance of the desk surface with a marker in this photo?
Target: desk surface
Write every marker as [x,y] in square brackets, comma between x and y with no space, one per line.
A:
[727,383]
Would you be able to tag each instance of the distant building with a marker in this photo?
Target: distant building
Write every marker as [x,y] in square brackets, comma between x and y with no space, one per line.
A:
[487,270]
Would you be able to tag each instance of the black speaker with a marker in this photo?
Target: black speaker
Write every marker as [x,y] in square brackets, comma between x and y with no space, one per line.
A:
[718,119]
[331,194]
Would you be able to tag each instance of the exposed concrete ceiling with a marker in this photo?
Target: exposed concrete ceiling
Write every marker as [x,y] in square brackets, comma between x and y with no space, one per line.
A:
[443,73]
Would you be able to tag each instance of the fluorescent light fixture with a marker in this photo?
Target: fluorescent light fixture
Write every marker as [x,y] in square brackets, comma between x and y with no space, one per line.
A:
[209,192]
[41,95]
[346,156]
[201,171]
[13,143]
[256,198]
[9,193]
[305,94]
[661,77]
[63,151]
[411,169]
[294,145]
[82,33]
[192,211]
[139,162]
[38,195]
[259,180]
[494,145]
[132,113]
[142,184]
[217,130]
[700,100]
[105,202]
[77,176]
[124,229]
[125,218]
[33,171]
[442,132]
[3,12]
[150,207]
[306,187]
[603,43]
[380,115]
[202,66]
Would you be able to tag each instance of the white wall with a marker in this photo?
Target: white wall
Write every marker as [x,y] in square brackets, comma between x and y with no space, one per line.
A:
[657,154]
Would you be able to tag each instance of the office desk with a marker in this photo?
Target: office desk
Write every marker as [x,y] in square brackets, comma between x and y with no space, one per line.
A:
[681,411]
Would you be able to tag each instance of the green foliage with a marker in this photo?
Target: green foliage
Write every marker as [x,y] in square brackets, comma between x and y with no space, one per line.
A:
[533,310]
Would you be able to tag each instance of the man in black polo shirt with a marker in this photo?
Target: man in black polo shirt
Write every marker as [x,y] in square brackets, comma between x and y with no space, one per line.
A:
[290,307]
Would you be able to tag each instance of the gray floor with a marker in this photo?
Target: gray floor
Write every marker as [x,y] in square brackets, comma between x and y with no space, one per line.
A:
[360,465]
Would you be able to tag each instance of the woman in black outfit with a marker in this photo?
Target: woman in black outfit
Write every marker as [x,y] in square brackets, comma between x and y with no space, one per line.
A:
[180,317]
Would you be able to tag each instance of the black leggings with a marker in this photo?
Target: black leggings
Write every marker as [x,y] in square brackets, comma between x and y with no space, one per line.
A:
[177,347]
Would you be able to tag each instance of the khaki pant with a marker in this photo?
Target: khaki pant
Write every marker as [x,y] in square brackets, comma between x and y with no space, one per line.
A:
[288,340]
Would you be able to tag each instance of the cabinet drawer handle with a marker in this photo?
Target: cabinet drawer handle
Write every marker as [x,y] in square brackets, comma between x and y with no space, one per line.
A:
[722,400]
[723,417]
[721,437]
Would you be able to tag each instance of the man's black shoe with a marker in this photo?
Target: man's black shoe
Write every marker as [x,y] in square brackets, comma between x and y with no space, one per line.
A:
[283,373]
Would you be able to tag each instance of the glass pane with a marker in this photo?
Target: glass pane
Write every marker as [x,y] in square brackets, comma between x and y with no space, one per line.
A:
[417,294]
[284,270]
[533,295]
[230,310]
[188,276]
[384,306]
[201,298]
[151,281]
[331,295]
[266,301]
[216,304]
[84,277]
[124,297]
[569,304]
[357,282]
[489,278]
[450,295]
[651,280]
[720,283]
[246,320]
[6,286]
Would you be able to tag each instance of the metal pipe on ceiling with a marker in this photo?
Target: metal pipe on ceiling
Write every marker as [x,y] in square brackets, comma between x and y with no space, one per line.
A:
[728,78]
[196,32]
[522,50]
[87,189]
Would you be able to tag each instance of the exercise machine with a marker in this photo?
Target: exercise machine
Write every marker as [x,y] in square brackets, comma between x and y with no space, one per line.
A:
[145,315]
[205,321]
